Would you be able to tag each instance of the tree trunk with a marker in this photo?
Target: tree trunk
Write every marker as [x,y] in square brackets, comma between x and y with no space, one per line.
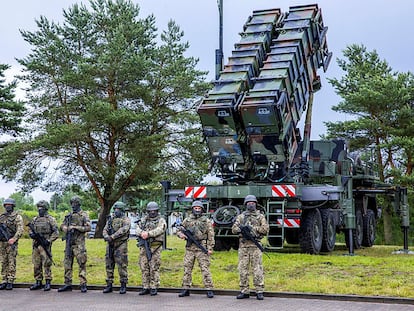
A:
[105,210]
[387,221]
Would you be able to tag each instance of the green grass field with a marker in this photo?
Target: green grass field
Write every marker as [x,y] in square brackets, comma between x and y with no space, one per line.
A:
[372,271]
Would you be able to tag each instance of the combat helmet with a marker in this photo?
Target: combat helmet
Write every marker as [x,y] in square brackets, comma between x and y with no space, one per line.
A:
[9,201]
[120,205]
[152,206]
[197,203]
[75,199]
[250,198]
[43,204]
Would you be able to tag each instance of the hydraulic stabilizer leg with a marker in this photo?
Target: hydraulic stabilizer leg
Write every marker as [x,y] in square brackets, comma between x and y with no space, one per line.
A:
[351,242]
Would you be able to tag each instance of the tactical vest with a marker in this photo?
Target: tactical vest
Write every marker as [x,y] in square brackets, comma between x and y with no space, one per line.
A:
[78,219]
[10,221]
[43,226]
[148,224]
[118,223]
[198,226]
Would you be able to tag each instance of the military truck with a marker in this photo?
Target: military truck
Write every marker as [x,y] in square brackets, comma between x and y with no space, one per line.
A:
[308,190]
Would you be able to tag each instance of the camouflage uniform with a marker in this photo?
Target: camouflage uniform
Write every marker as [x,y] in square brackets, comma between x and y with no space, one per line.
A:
[249,253]
[77,249]
[203,231]
[47,227]
[119,256]
[155,226]
[14,224]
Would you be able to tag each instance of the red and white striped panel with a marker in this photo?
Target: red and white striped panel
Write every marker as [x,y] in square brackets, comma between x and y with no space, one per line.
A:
[198,192]
[289,223]
[282,191]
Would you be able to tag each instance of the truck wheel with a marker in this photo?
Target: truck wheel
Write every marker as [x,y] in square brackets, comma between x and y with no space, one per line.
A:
[358,232]
[310,237]
[369,228]
[329,230]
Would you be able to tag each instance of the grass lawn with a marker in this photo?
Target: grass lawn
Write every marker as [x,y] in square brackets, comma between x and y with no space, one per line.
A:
[372,271]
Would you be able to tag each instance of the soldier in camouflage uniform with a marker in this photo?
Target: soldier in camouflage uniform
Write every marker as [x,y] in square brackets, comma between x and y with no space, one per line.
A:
[201,228]
[12,229]
[116,233]
[46,226]
[151,228]
[76,224]
[249,253]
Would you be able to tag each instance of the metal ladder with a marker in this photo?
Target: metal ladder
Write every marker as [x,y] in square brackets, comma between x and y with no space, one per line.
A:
[274,216]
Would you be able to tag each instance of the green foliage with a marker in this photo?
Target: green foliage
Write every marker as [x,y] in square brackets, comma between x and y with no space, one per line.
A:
[110,104]
[380,104]
[11,111]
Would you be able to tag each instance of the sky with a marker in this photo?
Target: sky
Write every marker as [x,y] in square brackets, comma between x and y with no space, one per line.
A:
[381,25]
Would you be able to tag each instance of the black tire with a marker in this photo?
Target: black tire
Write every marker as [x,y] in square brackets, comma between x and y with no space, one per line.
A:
[358,232]
[225,215]
[310,237]
[329,230]
[218,245]
[292,236]
[223,243]
[370,227]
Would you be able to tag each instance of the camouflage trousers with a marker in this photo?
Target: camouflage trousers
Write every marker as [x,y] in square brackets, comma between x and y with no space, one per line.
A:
[251,257]
[41,262]
[79,252]
[150,270]
[191,254]
[8,262]
[120,258]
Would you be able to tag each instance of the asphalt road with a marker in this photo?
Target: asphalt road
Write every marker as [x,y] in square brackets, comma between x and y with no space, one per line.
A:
[22,299]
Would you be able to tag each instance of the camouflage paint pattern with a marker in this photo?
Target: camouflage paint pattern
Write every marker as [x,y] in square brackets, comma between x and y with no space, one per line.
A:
[250,257]
[150,270]
[78,248]
[47,227]
[202,230]
[121,227]
[8,254]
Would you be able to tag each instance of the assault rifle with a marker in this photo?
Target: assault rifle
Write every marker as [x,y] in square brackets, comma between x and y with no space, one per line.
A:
[69,235]
[110,232]
[40,240]
[5,235]
[247,235]
[145,243]
[190,238]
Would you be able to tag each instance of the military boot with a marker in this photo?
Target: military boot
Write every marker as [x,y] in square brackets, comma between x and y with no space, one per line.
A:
[144,291]
[47,286]
[184,293]
[108,288]
[3,286]
[83,288]
[37,285]
[65,288]
[9,286]
[122,290]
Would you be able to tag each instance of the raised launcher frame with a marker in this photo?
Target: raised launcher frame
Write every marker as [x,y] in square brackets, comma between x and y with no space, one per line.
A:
[250,117]
[308,190]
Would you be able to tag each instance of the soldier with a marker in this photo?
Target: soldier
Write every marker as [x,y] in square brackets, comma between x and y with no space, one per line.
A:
[42,229]
[75,226]
[116,233]
[249,253]
[202,230]
[11,229]
[150,233]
